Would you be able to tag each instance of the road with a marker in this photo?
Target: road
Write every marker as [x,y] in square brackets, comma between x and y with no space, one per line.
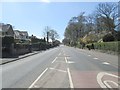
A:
[62,67]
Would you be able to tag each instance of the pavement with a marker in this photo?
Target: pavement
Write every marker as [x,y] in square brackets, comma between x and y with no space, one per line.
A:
[62,67]
[8,60]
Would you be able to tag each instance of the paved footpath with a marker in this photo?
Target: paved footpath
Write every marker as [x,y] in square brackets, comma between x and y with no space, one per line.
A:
[8,60]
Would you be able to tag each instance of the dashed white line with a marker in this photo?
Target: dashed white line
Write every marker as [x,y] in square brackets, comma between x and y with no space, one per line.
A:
[95,58]
[59,54]
[70,78]
[106,63]
[70,62]
[89,55]
[54,60]
[61,61]
[66,60]
[38,78]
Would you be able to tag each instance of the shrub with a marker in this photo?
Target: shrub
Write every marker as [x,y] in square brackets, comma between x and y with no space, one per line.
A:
[108,38]
[7,40]
[111,46]
[118,36]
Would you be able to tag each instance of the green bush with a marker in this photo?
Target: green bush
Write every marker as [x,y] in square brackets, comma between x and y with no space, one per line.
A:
[21,46]
[111,46]
[7,40]
[108,38]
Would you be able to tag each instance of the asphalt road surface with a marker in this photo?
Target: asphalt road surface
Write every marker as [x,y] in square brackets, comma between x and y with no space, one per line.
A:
[62,67]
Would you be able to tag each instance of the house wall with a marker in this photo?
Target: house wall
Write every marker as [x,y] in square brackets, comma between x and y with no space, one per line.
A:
[10,32]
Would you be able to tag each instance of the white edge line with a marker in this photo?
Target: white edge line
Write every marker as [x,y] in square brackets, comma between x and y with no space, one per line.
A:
[70,78]
[54,60]
[38,78]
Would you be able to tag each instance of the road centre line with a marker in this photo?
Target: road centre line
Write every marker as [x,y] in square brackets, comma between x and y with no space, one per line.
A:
[66,60]
[70,78]
[95,58]
[58,70]
[89,55]
[61,61]
[59,54]
[38,78]
[106,63]
[54,60]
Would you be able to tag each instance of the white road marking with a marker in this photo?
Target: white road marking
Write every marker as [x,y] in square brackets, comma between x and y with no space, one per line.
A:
[95,58]
[89,55]
[59,54]
[66,60]
[58,70]
[54,60]
[38,78]
[106,63]
[70,78]
[61,61]
[99,78]
[106,83]
[35,86]
[70,62]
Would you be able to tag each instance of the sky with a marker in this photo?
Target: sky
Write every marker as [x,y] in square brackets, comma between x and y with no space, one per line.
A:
[34,16]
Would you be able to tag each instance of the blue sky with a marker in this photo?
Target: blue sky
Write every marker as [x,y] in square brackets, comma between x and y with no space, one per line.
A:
[34,16]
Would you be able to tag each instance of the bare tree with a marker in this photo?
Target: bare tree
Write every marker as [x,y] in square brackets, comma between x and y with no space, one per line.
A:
[53,35]
[50,34]
[108,13]
[119,16]
[81,24]
[90,23]
[46,33]
[75,29]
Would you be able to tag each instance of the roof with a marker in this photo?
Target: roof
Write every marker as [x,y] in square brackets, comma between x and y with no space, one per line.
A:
[22,33]
[16,32]
[1,26]
[4,27]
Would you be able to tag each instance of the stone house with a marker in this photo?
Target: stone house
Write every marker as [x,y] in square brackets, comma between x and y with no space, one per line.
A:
[6,30]
[21,35]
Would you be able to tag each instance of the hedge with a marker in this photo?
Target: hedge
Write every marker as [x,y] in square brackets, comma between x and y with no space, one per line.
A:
[107,46]
[7,40]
